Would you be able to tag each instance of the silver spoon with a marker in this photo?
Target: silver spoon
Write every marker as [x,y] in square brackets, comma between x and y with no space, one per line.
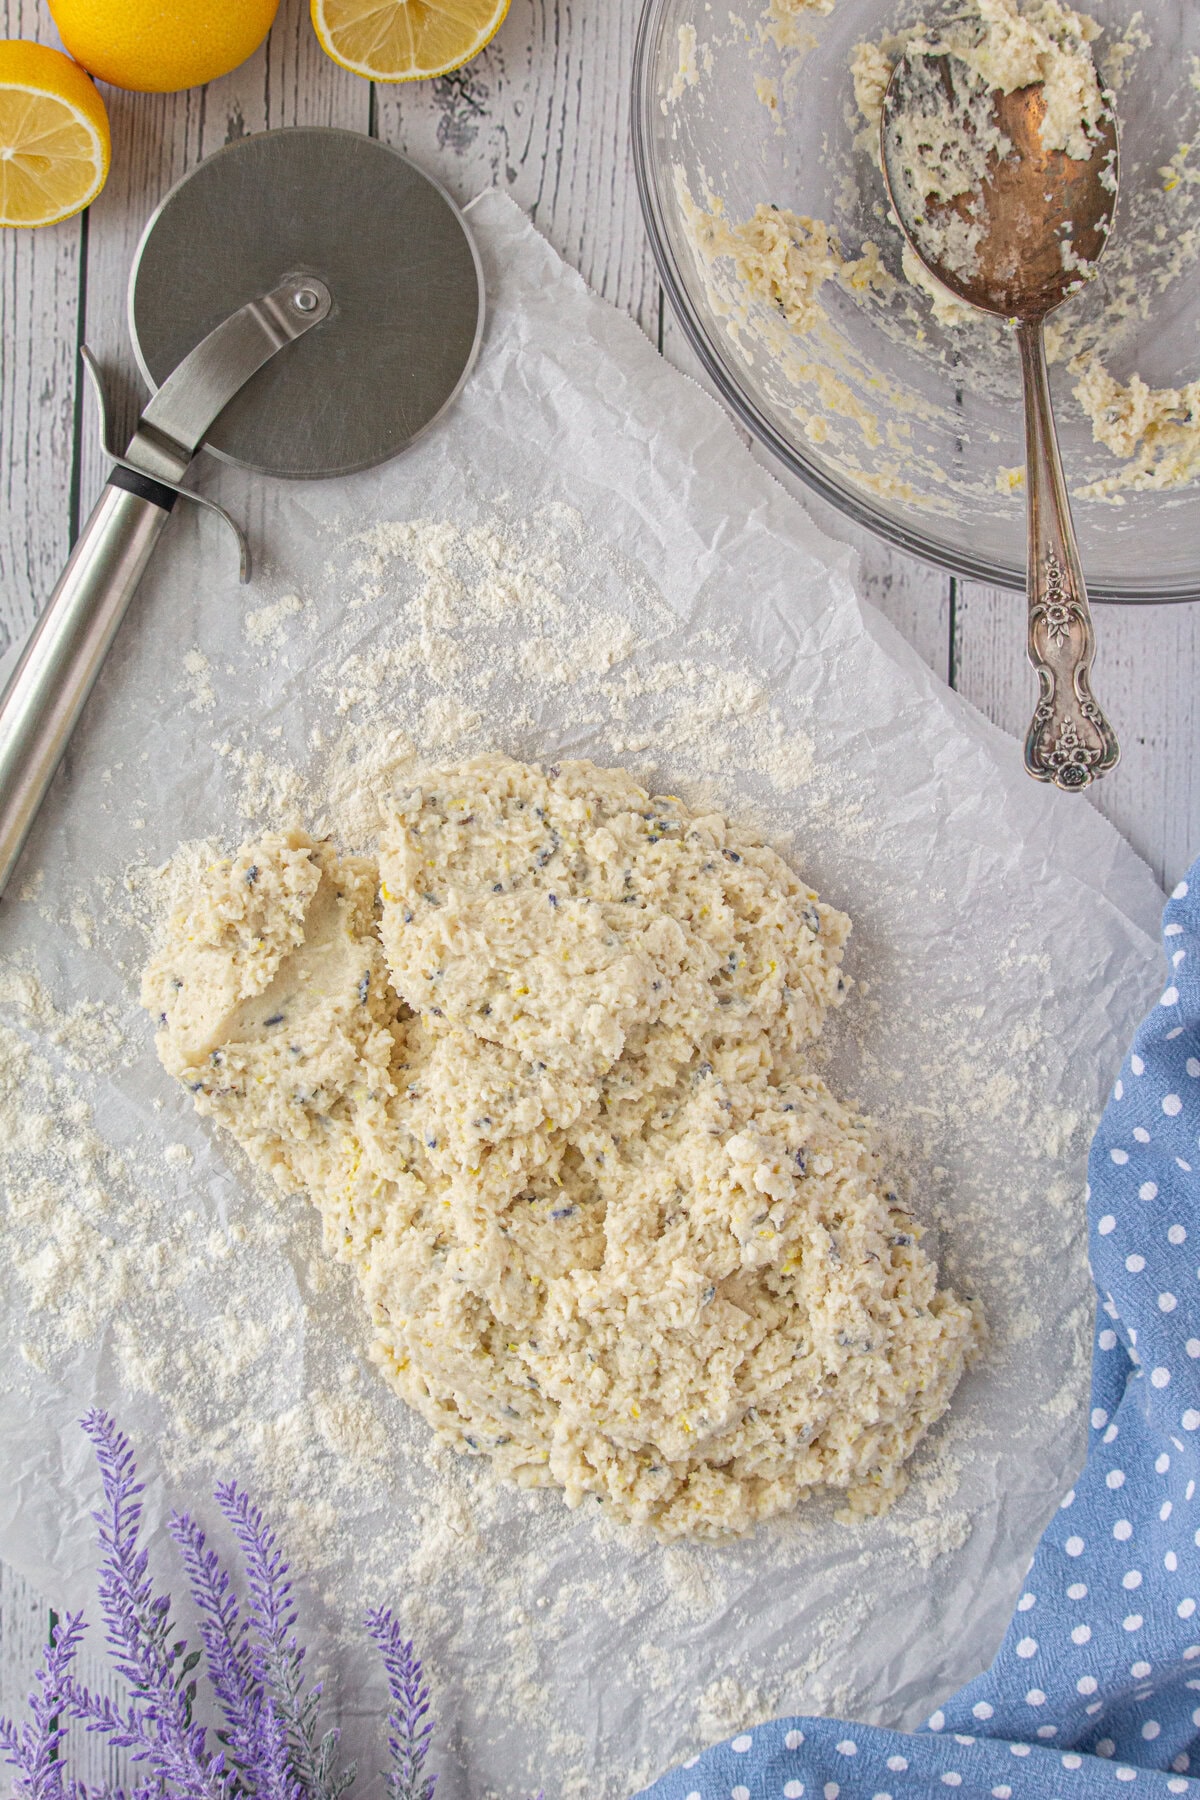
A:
[1027,206]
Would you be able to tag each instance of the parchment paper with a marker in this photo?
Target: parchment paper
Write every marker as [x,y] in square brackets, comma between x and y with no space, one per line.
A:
[710,636]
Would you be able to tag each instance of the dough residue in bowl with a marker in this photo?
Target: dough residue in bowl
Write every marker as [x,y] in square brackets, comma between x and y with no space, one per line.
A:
[546,1067]
[778,268]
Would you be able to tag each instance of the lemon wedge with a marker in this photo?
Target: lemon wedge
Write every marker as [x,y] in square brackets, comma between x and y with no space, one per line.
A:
[54,138]
[405,40]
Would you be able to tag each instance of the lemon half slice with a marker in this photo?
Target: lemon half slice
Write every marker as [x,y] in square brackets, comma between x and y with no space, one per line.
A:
[405,40]
[54,139]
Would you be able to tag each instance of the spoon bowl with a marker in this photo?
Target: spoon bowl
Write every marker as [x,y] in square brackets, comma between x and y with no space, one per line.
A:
[1013,228]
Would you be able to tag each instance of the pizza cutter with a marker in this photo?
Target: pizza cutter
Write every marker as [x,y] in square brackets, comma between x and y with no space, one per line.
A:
[304,303]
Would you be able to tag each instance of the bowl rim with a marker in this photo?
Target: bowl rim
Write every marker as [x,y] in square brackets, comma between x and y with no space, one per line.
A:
[845,498]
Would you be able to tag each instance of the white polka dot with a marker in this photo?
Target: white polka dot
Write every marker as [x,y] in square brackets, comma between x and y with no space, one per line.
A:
[694,1795]
[1027,1648]
[1192,1651]
[1125,1773]
[1190,1489]
[952,1778]
[1177,957]
[1190,1419]
[1151,1728]
[794,1739]
[1160,1378]
[691,1762]
[1118,1089]
[1165,1510]
[897,1764]
[1172,1104]
[1135,1264]
[1115,1478]
[936,1720]
[1119,1156]
[1026,1601]
[1105,1747]
[1082,1634]
[739,1793]
[1113,1430]
[1047,1731]
[1019,1749]
[742,1744]
[1068,1499]
[1077,1591]
[847,1747]
[1137,1065]
[1107,1339]
[1185,1166]
[1139,1670]
[1035,1697]
[1071,1761]
[793,1789]
[1002,1792]
[1176,1234]
[1122,1530]
[1140,1135]
[1186,1608]
[1176,1787]
[1162,1462]
[831,1790]
[1099,1418]
[1193,1347]
[982,1710]
[1179,892]
[1170,997]
[1148,1191]
[1087,1684]
[1133,1622]
[1132,1578]
[1074,1546]
[1176,1032]
[1106,1224]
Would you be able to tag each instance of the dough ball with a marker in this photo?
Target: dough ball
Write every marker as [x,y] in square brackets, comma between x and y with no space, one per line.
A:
[546,1069]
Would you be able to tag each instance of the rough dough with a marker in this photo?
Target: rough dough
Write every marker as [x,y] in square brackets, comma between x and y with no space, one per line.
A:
[545,1067]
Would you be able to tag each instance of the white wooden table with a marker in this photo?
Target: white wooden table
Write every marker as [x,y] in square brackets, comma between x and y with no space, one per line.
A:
[544,113]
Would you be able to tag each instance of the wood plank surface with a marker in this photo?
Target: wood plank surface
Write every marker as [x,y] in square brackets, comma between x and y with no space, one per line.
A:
[544,114]
[39,314]
[1144,680]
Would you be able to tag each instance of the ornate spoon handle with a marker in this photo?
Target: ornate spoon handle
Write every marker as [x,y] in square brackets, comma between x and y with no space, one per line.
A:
[1070,742]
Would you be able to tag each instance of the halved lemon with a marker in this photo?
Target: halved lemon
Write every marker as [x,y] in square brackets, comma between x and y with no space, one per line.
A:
[54,138]
[405,40]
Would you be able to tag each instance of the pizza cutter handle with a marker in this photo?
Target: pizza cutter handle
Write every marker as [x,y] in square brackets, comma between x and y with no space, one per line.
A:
[62,659]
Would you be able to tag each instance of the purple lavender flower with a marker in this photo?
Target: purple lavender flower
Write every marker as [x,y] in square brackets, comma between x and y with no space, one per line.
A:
[271,1747]
[277,1657]
[33,1750]
[410,1727]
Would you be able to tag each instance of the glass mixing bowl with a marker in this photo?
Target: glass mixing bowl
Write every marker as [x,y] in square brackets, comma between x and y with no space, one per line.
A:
[911,427]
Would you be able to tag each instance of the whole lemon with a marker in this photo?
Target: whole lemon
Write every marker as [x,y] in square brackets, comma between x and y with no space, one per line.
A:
[157,46]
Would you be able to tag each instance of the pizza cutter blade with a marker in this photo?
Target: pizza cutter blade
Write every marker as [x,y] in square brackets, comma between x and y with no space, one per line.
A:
[305,303]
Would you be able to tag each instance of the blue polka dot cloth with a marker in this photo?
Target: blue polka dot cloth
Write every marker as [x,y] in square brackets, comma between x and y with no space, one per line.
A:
[1096,1688]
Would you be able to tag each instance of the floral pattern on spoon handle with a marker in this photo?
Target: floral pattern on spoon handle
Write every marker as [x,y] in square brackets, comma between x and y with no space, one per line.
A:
[1069,742]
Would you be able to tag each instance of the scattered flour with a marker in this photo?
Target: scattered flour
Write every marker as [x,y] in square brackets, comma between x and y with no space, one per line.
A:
[238,1344]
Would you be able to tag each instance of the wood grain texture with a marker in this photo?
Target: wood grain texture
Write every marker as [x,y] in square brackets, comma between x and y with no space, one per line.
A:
[1144,681]
[39,310]
[544,114]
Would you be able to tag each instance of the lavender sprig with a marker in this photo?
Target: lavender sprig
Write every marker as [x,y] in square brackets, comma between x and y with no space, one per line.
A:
[252,1733]
[278,1657]
[33,1750]
[410,1727]
[270,1745]
[157,1726]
